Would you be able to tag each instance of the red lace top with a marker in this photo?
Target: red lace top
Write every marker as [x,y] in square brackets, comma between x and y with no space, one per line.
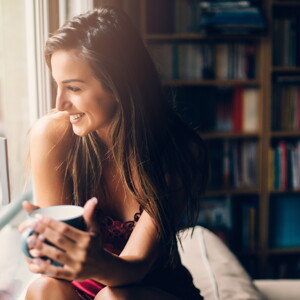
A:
[115,235]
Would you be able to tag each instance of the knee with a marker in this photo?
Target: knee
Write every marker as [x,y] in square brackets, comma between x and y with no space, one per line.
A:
[39,289]
[110,293]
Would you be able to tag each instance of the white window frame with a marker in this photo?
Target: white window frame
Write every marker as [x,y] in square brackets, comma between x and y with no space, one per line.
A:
[39,79]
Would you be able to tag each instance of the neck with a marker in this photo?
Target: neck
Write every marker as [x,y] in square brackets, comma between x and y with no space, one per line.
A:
[104,136]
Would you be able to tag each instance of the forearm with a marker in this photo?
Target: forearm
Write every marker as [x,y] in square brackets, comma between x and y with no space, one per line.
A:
[115,270]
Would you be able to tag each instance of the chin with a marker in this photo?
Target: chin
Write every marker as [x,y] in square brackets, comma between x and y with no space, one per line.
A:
[81,132]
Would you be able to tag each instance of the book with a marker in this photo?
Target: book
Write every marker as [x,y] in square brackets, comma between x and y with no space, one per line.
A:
[233,164]
[284,165]
[286,103]
[231,17]
[286,37]
[237,109]
[249,227]
[250,110]
[284,221]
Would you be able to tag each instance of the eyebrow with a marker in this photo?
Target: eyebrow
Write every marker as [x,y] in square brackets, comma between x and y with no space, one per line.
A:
[72,80]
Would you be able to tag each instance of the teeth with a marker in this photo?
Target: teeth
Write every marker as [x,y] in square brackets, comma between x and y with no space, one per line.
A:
[77,116]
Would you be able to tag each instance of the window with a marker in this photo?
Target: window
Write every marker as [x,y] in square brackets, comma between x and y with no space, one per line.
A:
[16,115]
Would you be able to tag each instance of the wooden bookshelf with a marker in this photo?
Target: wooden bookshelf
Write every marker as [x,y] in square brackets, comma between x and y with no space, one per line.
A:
[285,191]
[197,37]
[286,69]
[216,82]
[230,192]
[284,251]
[229,135]
[264,135]
[286,3]
[278,134]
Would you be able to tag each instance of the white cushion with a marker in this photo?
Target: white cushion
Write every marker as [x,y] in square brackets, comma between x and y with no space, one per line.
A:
[279,289]
[215,270]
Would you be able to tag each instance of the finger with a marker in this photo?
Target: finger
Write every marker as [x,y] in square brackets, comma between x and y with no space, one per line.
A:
[56,238]
[53,253]
[89,210]
[75,235]
[28,207]
[32,241]
[45,267]
[25,224]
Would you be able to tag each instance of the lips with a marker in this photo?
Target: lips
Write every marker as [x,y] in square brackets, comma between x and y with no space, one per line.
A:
[76,117]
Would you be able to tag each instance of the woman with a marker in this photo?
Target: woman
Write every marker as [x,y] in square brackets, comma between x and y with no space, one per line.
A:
[112,136]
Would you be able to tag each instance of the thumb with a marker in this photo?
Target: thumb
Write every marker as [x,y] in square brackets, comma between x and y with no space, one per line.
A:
[88,214]
[28,207]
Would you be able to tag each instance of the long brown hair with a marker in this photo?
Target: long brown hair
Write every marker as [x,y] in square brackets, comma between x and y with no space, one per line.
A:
[170,159]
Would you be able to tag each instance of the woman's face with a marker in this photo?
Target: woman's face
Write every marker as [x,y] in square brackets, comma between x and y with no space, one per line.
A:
[80,94]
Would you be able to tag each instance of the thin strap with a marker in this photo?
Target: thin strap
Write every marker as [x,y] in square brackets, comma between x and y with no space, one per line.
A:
[138,214]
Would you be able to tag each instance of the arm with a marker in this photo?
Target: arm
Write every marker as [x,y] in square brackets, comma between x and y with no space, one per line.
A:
[136,259]
[49,140]
[84,257]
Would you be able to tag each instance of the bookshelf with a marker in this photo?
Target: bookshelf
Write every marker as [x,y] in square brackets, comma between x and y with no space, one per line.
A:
[250,227]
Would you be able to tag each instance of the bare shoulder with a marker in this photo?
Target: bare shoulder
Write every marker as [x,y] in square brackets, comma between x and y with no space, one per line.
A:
[52,131]
[50,141]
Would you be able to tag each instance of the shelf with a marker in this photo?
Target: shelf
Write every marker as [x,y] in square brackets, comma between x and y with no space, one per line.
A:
[283,134]
[286,69]
[295,250]
[286,3]
[247,253]
[233,191]
[215,82]
[197,36]
[229,135]
[284,191]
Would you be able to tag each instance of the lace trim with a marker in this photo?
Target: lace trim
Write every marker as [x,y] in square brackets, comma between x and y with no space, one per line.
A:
[116,233]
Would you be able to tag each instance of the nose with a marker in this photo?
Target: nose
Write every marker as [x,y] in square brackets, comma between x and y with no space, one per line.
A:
[62,103]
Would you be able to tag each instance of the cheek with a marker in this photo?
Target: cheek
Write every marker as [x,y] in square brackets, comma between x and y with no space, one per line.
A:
[107,106]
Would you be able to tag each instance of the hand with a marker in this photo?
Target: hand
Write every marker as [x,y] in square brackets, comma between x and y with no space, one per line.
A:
[78,251]
[28,207]
[28,223]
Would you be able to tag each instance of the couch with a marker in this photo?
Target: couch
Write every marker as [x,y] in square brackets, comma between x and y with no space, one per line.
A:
[219,275]
[216,271]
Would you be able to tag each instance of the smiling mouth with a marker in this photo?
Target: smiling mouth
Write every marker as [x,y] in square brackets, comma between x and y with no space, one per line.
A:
[76,117]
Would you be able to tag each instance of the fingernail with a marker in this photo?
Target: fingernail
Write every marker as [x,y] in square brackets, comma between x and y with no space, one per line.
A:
[32,242]
[41,237]
[37,261]
[95,200]
[38,216]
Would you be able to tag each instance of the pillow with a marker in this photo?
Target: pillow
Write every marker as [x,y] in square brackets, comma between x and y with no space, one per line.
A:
[215,270]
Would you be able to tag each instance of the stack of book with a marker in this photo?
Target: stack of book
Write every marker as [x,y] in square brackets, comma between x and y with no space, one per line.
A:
[245,220]
[226,109]
[233,164]
[284,221]
[230,17]
[284,165]
[286,103]
[249,224]
[240,114]
[286,37]
[216,214]
[222,16]
[192,61]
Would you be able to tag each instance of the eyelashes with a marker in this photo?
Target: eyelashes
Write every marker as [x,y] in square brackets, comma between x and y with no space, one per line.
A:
[69,87]
[73,89]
